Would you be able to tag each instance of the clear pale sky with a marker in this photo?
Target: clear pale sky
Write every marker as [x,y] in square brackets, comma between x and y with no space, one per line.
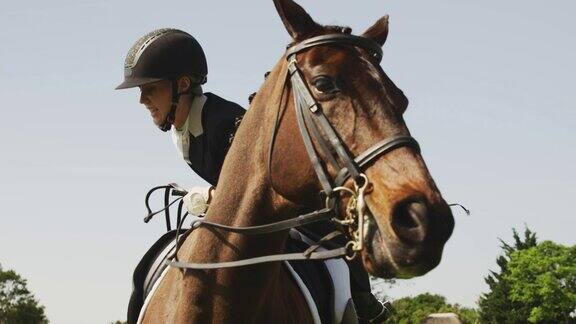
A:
[491,89]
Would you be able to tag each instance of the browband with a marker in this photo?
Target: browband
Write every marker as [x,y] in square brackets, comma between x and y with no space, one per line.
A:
[359,41]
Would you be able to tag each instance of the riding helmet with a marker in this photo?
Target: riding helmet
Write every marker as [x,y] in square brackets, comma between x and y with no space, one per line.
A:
[164,54]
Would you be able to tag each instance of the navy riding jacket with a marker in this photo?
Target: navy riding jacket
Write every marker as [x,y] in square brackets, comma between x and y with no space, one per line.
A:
[206,151]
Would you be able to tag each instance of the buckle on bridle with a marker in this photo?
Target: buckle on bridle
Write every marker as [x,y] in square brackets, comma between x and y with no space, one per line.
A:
[355,214]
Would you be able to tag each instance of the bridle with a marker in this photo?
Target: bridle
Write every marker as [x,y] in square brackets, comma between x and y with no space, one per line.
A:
[315,127]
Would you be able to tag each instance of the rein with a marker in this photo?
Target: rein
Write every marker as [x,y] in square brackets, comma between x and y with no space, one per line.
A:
[315,128]
[304,219]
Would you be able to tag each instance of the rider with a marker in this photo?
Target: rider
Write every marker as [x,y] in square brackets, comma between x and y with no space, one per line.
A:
[169,67]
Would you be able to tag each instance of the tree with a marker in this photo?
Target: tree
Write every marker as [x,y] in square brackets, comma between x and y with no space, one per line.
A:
[409,310]
[17,304]
[379,285]
[496,306]
[544,279]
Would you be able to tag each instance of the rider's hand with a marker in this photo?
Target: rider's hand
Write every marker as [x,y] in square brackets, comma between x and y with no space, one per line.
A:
[195,203]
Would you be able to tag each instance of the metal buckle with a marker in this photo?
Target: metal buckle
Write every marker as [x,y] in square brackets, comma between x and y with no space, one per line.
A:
[355,213]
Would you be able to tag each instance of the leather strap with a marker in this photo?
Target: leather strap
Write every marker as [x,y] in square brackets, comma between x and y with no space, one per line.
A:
[323,240]
[322,255]
[307,106]
[167,210]
[324,147]
[315,216]
[300,100]
[376,150]
[358,41]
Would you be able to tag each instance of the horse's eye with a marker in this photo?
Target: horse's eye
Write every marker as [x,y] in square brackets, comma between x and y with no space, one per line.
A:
[325,84]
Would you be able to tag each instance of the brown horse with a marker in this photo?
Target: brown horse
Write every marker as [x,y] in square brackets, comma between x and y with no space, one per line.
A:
[261,183]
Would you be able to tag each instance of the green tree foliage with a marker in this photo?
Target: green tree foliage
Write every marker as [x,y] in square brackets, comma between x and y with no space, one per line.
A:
[413,310]
[379,286]
[544,279]
[496,306]
[17,304]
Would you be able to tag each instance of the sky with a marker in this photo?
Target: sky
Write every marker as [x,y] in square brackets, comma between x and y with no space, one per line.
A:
[492,104]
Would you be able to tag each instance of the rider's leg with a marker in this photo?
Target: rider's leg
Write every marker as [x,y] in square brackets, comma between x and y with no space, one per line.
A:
[368,307]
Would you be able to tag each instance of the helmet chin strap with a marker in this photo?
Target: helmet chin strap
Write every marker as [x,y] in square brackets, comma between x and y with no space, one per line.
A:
[167,124]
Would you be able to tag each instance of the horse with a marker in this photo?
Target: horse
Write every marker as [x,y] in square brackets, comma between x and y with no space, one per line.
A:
[275,169]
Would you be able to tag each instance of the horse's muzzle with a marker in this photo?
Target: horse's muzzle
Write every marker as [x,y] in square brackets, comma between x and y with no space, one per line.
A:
[413,242]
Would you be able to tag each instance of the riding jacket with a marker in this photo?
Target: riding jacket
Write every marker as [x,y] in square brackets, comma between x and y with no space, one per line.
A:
[205,137]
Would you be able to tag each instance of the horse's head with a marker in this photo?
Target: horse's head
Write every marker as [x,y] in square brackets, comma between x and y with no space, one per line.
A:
[409,220]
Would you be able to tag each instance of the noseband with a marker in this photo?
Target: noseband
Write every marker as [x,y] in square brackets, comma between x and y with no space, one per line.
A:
[316,128]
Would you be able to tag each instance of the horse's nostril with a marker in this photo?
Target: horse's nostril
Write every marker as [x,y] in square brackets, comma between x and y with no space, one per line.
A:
[410,221]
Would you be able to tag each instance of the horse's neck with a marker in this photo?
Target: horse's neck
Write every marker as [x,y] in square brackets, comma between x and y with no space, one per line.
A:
[243,198]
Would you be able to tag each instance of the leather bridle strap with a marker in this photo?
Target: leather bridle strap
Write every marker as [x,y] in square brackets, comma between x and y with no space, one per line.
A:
[324,146]
[171,188]
[375,151]
[309,254]
[315,216]
[354,40]
[306,105]
[322,255]
[302,98]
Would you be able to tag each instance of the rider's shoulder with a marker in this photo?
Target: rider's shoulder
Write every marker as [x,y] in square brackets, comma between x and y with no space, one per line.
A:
[218,110]
[220,114]
[219,103]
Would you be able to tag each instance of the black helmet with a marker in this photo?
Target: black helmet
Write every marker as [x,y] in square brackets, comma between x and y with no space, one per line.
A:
[164,54]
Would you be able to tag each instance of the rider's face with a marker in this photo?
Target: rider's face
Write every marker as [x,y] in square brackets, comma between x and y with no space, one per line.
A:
[156,97]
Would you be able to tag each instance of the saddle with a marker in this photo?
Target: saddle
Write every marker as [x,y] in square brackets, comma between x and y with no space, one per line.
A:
[147,272]
[324,284]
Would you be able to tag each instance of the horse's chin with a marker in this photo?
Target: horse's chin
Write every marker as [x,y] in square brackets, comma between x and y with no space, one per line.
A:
[385,256]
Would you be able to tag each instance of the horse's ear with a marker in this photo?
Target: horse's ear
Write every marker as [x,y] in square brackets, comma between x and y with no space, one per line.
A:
[379,31]
[296,20]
